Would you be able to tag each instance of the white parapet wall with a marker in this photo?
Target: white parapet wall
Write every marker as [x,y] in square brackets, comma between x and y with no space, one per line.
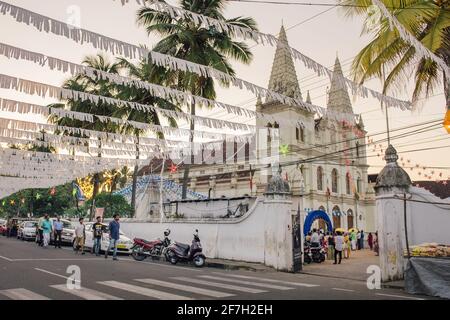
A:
[263,234]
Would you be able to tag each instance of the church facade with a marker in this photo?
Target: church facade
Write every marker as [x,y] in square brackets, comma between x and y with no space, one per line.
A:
[323,159]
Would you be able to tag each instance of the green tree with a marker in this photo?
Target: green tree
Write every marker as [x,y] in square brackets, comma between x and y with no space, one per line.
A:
[388,54]
[112,204]
[93,85]
[148,72]
[185,39]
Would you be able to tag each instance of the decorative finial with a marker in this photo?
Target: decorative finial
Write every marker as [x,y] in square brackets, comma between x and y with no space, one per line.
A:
[391,154]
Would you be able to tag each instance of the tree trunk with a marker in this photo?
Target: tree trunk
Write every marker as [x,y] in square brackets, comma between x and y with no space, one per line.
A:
[96,183]
[134,184]
[447,87]
[187,166]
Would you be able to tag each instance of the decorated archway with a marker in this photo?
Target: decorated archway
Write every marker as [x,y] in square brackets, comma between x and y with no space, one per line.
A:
[314,215]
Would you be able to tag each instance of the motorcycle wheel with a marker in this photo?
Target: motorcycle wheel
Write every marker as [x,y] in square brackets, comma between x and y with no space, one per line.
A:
[172,257]
[137,255]
[199,261]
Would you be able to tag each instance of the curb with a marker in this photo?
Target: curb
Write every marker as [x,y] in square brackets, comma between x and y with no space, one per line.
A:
[225,266]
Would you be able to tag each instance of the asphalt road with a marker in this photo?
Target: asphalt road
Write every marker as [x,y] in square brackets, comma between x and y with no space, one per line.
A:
[31,272]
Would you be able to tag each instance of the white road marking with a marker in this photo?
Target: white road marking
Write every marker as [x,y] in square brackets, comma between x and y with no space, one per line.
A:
[7,259]
[397,296]
[57,259]
[269,280]
[160,264]
[144,291]
[220,285]
[54,274]
[85,293]
[205,292]
[340,289]
[22,294]
[255,284]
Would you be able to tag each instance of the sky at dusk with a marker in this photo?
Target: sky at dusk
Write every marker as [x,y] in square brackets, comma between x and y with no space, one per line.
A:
[321,38]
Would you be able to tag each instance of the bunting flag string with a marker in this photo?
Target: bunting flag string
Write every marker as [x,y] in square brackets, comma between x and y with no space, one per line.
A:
[264,38]
[17,129]
[421,50]
[155,89]
[49,25]
[44,90]
[26,108]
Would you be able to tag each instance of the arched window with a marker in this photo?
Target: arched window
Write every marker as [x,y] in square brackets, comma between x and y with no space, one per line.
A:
[350,219]
[334,181]
[319,178]
[269,139]
[347,183]
[300,134]
[357,149]
[336,212]
[322,208]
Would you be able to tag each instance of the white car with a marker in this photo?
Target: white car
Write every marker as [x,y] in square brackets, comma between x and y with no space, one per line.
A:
[27,230]
[124,244]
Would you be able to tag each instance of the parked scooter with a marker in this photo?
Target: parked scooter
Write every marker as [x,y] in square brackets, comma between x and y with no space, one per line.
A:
[155,248]
[184,252]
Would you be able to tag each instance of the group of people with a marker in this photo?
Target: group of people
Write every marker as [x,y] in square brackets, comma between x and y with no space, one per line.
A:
[98,228]
[339,243]
[45,227]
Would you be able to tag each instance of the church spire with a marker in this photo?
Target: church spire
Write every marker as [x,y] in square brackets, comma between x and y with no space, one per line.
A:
[283,78]
[338,98]
[308,98]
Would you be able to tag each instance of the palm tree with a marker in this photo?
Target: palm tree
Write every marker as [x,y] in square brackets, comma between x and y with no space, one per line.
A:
[427,20]
[96,86]
[148,72]
[185,39]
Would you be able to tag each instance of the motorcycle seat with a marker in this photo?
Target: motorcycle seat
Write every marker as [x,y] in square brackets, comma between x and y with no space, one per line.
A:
[145,241]
[183,246]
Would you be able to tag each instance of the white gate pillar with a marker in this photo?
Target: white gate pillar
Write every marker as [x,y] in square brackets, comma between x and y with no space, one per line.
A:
[391,181]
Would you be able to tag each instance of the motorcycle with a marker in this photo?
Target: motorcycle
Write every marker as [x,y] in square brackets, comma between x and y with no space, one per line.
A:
[185,252]
[313,253]
[155,248]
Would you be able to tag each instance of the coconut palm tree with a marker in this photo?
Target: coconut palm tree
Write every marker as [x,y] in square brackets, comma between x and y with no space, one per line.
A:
[387,53]
[148,72]
[185,39]
[97,86]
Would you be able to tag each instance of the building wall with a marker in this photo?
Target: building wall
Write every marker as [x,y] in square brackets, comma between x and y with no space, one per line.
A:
[263,234]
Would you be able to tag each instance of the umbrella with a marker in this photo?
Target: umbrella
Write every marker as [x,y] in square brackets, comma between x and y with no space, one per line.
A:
[352,229]
[339,230]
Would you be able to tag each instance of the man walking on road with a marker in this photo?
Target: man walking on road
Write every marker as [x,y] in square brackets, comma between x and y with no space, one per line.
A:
[97,229]
[40,233]
[80,235]
[338,247]
[47,228]
[114,227]
[58,227]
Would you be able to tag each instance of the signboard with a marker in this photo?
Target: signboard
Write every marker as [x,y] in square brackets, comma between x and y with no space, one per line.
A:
[99,212]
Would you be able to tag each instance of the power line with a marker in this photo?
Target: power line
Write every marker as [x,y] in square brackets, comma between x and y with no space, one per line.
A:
[344,5]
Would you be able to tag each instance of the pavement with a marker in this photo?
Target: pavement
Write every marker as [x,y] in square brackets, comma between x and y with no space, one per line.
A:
[31,272]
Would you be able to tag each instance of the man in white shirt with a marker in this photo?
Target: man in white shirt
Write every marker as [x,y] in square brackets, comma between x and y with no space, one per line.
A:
[80,236]
[338,247]
[315,239]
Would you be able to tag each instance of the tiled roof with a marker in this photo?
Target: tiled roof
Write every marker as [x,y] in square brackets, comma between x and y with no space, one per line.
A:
[439,189]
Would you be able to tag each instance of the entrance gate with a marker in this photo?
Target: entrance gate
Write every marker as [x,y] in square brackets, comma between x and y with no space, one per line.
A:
[314,215]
